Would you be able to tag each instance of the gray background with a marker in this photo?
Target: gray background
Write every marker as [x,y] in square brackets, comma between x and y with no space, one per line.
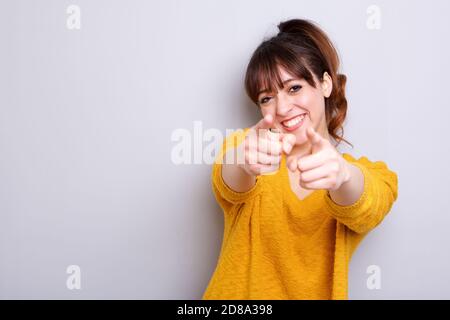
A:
[86,118]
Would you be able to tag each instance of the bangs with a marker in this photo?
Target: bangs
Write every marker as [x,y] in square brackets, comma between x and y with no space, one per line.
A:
[263,71]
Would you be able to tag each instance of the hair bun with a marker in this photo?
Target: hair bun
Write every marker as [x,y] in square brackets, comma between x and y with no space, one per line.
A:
[294,26]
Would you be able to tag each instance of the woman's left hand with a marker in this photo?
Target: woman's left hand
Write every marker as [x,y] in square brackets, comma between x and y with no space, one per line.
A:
[324,168]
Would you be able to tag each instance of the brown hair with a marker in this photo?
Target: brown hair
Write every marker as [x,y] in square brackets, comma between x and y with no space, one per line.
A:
[300,47]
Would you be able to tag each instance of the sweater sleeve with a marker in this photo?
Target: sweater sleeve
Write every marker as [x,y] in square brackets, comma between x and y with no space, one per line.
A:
[380,192]
[225,196]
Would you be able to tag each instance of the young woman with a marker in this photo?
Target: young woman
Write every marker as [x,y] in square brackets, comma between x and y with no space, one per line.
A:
[295,208]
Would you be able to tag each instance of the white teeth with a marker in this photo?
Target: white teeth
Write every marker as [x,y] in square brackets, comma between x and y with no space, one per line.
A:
[294,121]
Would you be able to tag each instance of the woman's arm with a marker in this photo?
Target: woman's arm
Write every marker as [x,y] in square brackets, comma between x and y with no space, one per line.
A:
[259,153]
[379,192]
[236,178]
[359,193]
[230,183]
[351,190]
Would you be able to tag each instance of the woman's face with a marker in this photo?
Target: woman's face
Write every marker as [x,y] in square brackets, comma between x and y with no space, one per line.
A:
[298,105]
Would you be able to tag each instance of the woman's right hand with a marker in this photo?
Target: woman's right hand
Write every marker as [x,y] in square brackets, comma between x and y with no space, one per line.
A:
[262,149]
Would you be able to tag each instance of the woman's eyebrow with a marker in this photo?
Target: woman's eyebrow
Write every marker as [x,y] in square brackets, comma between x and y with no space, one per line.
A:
[262,91]
[288,80]
[284,82]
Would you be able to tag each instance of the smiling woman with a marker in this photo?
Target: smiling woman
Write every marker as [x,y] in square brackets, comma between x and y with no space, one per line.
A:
[296,209]
[301,55]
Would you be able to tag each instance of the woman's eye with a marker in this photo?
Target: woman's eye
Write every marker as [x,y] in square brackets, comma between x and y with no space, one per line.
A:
[264,100]
[295,88]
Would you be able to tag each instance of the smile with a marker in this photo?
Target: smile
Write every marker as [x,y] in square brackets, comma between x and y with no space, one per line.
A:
[293,123]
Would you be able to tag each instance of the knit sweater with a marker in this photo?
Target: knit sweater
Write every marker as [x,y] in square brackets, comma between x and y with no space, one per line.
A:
[276,246]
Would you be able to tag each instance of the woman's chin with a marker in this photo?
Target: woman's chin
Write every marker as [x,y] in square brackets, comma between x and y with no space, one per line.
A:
[299,133]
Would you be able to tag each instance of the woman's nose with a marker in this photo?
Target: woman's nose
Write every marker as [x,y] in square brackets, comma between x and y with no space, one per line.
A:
[283,107]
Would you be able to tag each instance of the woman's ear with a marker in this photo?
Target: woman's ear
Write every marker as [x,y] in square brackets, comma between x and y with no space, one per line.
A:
[327,85]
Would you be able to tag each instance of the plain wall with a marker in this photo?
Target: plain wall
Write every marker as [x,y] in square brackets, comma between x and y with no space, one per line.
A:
[87,116]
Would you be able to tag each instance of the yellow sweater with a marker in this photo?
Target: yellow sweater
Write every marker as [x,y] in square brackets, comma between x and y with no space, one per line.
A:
[276,246]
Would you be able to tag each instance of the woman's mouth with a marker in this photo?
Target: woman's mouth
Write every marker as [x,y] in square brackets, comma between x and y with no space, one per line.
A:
[293,123]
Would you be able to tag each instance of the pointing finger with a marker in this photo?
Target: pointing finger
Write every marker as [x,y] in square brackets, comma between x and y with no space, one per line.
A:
[313,136]
[292,163]
[264,123]
[311,161]
[288,142]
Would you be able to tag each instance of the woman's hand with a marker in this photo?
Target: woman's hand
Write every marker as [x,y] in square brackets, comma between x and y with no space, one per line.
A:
[262,149]
[324,168]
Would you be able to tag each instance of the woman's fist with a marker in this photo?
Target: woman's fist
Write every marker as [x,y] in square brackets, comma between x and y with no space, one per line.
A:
[262,149]
[324,168]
